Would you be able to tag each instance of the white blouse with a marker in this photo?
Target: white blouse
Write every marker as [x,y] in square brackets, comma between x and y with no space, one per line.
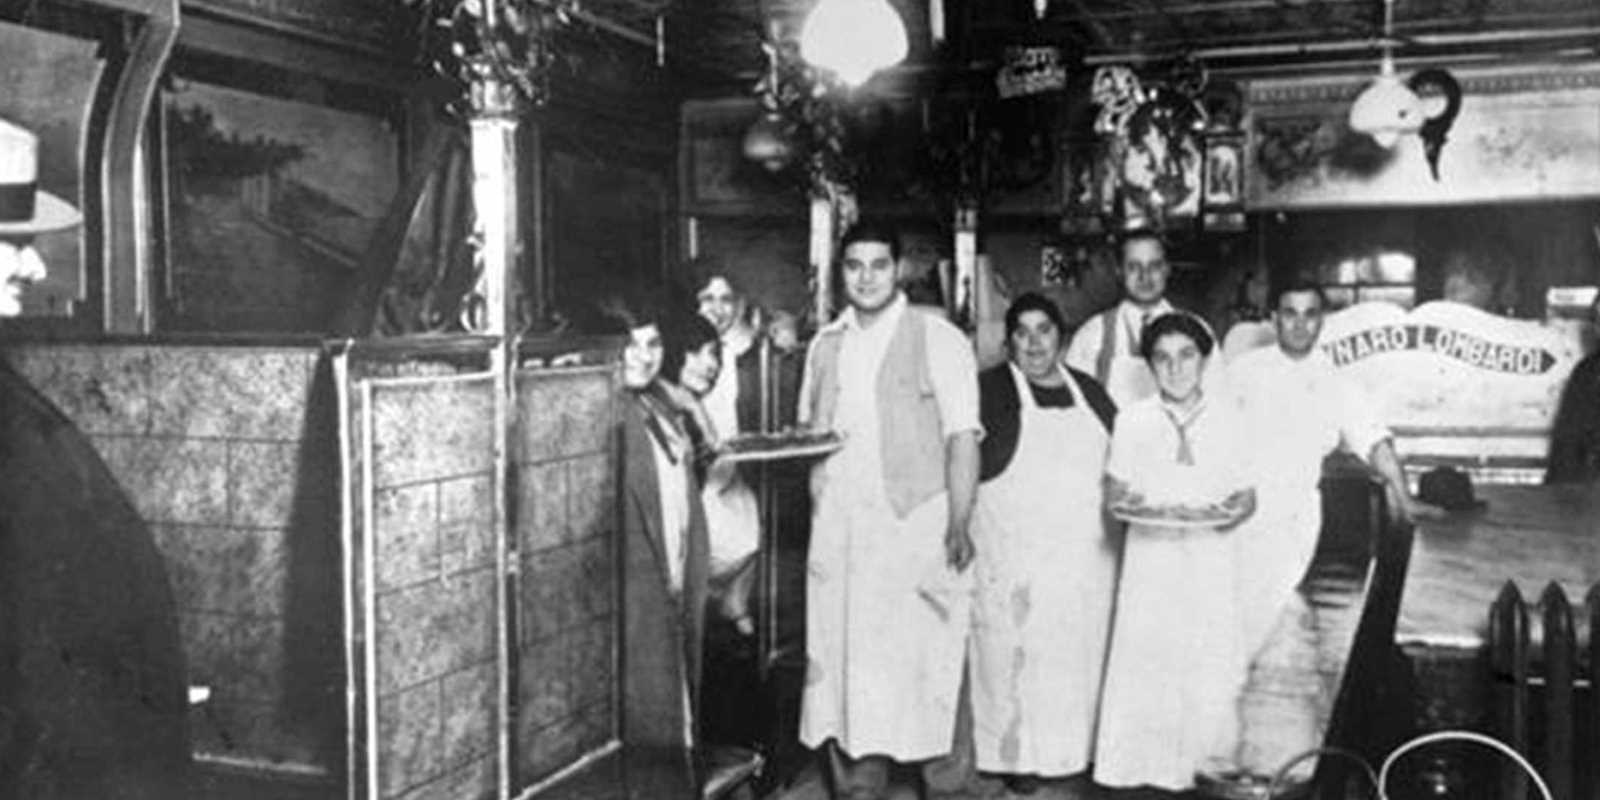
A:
[1145,446]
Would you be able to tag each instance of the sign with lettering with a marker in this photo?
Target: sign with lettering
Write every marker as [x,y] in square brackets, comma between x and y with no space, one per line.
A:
[1460,345]
[1031,70]
[1453,380]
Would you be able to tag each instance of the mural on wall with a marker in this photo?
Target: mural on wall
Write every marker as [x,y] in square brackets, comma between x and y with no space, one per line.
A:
[1515,134]
[272,203]
[50,83]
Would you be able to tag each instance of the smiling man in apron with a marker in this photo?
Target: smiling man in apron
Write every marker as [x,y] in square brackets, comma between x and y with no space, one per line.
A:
[1107,345]
[1046,575]
[887,589]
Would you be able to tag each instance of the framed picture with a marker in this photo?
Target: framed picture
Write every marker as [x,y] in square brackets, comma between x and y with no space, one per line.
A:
[1222,193]
[716,177]
[271,199]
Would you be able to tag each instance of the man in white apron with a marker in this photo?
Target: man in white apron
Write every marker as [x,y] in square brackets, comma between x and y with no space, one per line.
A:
[1107,345]
[1046,575]
[1299,409]
[887,590]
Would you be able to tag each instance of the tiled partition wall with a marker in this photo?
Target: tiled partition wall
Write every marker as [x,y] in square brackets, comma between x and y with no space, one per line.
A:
[229,454]
[424,592]
[564,490]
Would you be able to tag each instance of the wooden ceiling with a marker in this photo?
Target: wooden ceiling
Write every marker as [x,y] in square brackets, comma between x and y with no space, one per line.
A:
[714,39]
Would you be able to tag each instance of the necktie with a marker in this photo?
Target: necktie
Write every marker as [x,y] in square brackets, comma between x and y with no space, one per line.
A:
[1185,451]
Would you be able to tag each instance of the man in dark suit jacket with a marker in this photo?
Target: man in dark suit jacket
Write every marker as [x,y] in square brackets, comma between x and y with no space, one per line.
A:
[92,697]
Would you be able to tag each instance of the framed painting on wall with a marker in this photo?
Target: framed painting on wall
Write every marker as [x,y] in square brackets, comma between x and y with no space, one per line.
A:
[271,201]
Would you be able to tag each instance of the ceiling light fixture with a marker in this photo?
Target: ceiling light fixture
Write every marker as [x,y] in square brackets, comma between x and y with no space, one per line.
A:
[1387,109]
[854,38]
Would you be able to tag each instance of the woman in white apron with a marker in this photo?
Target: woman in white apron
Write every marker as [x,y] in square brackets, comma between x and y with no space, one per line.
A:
[1047,571]
[1176,666]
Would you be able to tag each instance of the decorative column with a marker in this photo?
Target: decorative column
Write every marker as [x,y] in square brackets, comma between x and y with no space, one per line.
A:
[494,196]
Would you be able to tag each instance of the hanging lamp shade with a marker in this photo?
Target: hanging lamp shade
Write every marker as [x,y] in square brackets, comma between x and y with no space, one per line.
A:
[1387,109]
[853,38]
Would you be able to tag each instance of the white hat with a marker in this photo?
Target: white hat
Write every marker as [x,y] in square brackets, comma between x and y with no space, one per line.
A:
[24,207]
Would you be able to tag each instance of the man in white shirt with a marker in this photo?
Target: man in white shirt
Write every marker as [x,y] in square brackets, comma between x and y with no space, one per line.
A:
[1107,345]
[1298,409]
[888,589]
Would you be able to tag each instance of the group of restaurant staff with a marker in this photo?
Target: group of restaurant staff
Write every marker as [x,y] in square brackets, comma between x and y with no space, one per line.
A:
[964,528]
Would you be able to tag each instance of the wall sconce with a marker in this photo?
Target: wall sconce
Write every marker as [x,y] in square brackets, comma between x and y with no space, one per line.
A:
[854,38]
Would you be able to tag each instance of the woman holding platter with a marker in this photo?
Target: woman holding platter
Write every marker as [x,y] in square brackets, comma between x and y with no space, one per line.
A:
[1175,472]
[1047,573]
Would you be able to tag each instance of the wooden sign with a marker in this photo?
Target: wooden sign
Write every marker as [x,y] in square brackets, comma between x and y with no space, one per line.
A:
[1454,381]
[1031,70]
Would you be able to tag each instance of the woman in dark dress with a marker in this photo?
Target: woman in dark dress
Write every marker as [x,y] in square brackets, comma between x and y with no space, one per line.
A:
[665,563]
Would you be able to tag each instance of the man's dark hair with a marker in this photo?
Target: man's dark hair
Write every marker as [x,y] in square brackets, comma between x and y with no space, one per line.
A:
[1179,322]
[1139,235]
[872,230]
[1033,301]
[1300,286]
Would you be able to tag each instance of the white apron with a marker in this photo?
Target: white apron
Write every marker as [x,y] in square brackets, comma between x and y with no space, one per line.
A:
[886,617]
[1175,669]
[1046,577]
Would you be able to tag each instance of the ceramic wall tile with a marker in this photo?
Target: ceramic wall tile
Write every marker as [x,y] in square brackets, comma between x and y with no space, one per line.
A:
[263,482]
[545,679]
[475,781]
[563,414]
[547,747]
[170,479]
[406,531]
[247,393]
[469,713]
[226,570]
[436,627]
[428,431]
[466,546]
[410,735]
[240,658]
[590,651]
[548,603]
[541,506]
[594,582]
[591,496]
[470,497]
[102,388]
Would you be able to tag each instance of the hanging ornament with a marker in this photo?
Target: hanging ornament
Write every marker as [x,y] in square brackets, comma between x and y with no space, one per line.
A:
[1440,97]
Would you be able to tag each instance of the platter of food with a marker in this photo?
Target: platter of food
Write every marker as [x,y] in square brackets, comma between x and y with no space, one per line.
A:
[1175,515]
[780,445]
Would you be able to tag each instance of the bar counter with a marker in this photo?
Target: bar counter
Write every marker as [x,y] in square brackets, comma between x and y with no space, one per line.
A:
[1528,534]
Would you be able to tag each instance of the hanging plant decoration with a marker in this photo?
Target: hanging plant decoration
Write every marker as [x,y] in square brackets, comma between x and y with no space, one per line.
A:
[805,123]
[473,43]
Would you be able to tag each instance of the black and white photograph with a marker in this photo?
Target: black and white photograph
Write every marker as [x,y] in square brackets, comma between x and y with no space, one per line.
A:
[799,400]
